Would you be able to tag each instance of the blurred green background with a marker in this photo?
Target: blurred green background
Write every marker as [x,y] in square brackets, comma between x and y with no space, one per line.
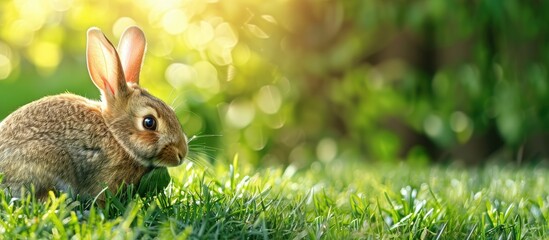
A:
[295,81]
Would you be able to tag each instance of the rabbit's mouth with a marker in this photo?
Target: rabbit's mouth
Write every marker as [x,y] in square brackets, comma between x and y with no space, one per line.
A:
[170,156]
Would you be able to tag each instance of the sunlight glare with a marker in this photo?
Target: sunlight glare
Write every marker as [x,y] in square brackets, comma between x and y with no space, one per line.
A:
[225,36]
[45,55]
[61,5]
[198,35]
[33,12]
[120,25]
[20,33]
[175,21]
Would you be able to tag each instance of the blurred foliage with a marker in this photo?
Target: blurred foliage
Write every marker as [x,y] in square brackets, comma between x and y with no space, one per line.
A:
[291,81]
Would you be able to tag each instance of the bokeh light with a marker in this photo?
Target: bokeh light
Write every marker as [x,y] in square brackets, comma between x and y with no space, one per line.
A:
[174,21]
[269,99]
[5,66]
[306,80]
[240,113]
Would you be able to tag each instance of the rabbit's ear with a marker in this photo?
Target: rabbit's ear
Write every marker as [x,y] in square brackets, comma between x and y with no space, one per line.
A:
[131,49]
[103,65]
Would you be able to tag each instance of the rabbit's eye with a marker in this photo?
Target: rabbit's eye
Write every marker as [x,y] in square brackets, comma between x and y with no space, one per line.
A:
[149,122]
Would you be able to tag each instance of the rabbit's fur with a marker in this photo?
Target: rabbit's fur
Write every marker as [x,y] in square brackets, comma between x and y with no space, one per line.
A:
[67,142]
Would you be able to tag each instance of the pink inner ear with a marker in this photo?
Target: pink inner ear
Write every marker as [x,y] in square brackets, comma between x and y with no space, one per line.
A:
[108,87]
[103,63]
[131,51]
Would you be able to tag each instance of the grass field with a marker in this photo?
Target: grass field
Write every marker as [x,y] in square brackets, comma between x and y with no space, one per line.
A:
[335,200]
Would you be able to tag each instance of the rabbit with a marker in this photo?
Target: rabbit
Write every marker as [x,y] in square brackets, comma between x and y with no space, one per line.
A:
[70,143]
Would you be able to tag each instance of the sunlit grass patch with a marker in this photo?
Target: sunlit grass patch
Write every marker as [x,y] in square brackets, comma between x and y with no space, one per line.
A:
[328,200]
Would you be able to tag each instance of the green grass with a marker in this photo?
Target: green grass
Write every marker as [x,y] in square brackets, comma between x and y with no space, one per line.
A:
[326,201]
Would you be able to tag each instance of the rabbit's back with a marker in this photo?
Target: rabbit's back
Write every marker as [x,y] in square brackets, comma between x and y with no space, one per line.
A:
[55,142]
[57,119]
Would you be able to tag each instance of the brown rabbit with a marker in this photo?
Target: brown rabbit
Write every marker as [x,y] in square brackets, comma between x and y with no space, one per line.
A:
[67,142]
